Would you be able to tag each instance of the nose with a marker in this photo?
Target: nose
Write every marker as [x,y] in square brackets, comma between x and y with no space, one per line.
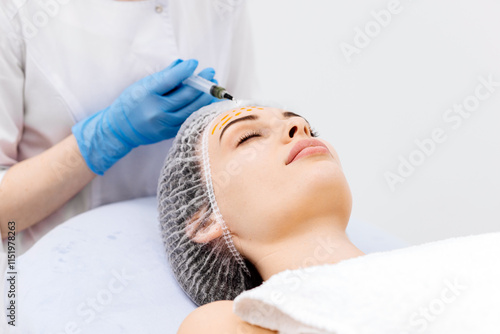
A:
[297,126]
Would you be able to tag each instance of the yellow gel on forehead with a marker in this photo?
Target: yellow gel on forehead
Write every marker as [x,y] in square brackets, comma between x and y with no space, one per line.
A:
[251,108]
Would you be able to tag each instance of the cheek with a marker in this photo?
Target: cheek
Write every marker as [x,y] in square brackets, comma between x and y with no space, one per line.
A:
[248,167]
[238,181]
[242,187]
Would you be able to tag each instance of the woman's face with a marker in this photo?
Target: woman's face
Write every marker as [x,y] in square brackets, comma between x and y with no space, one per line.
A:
[262,198]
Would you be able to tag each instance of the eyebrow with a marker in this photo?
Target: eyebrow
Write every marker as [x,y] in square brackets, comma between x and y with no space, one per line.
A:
[286,114]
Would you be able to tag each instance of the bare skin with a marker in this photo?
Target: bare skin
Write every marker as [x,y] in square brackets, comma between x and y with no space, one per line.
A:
[218,318]
[36,187]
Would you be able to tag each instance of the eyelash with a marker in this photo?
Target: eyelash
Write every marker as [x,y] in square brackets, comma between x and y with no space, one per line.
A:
[313,132]
[254,133]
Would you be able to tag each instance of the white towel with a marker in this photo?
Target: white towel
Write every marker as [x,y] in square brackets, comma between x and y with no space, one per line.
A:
[447,286]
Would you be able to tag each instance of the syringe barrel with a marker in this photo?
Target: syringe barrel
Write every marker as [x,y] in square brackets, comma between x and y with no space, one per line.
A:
[199,83]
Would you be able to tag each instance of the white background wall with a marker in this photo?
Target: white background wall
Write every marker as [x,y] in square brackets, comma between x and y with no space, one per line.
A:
[394,91]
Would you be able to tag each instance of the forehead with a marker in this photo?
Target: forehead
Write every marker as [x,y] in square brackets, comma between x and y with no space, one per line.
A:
[222,119]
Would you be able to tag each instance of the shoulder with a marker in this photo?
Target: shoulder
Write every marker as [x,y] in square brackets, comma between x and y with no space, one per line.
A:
[217,317]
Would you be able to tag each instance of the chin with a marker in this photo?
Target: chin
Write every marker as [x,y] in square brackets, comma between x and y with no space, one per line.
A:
[321,172]
[321,187]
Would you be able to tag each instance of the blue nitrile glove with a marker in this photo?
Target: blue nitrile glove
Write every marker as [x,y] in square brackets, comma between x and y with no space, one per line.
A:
[147,112]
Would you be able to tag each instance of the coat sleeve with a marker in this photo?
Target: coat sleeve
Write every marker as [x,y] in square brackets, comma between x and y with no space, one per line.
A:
[11,88]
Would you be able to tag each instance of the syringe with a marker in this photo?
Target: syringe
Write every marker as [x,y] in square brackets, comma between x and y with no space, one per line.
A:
[208,87]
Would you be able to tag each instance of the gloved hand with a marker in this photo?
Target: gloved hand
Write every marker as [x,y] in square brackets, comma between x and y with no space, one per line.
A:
[149,111]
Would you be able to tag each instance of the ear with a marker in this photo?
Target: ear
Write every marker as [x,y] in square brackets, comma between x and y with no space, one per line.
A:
[209,232]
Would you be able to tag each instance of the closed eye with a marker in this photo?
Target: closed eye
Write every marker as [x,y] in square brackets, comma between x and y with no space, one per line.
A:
[248,136]
[313,132]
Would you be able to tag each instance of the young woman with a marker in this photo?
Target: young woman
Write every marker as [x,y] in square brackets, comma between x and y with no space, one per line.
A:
[246,192]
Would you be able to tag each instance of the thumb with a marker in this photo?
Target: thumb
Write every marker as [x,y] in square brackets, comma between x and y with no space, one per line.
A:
[164,81]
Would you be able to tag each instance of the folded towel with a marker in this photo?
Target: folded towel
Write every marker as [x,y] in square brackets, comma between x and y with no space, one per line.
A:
[447,286]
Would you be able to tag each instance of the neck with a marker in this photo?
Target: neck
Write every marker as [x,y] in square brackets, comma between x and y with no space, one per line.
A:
[319,246]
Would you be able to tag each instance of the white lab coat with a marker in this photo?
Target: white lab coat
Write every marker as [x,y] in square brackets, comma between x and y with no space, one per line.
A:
[75,59]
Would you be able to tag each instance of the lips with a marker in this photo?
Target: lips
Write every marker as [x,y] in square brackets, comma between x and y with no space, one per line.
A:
[304,144]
